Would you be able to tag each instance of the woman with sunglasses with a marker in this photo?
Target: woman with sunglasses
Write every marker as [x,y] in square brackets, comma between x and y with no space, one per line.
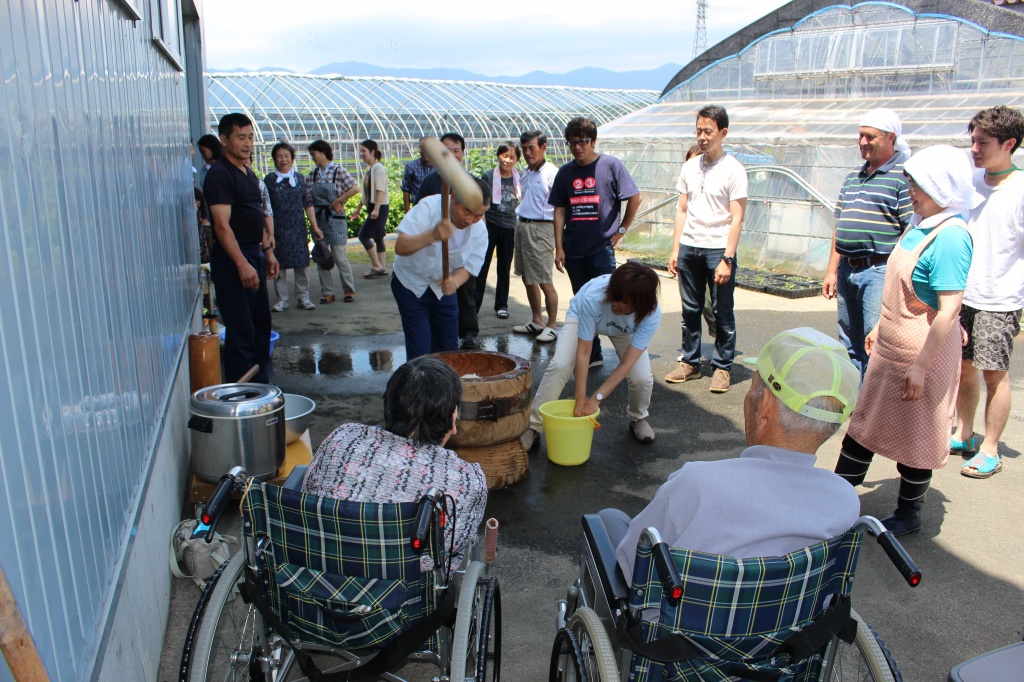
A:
[906,404]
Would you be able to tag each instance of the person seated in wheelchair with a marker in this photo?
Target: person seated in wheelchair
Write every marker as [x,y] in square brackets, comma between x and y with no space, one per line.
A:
[405,457]
[771,500]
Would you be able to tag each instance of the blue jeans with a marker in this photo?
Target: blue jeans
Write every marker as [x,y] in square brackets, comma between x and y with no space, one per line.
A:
[859,293]
[430,324]
[582,270]
[246,314]
[696,275]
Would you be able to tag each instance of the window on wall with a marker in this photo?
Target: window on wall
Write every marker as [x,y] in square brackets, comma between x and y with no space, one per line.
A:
[131,9]
[167,34]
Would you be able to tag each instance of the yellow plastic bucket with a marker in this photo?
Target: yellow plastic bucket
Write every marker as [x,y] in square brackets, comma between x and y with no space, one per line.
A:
[569,438]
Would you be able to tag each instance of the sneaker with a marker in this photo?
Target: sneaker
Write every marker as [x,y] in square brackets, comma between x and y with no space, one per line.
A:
[306,304]
[684,372]
[546,336]
[721,380]
[502,313]
[528,328]
[469,343]
[642,431]
[596,360]
[278,307]
[529,439]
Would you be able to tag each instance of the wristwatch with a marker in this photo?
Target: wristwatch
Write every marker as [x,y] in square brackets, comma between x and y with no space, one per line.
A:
[622,230]
[730,261]
[598,397]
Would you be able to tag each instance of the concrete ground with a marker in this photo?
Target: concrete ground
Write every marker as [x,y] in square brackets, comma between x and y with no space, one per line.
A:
[971,599]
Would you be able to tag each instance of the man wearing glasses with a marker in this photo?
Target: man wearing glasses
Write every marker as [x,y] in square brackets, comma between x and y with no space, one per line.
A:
[586,195]
[712,199]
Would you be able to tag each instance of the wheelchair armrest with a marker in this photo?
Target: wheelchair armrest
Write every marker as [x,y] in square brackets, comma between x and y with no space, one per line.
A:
[294,480]
[612,581]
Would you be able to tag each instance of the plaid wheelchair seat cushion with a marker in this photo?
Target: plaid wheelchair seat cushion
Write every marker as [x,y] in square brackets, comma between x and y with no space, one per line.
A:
[336,572]
[740,610]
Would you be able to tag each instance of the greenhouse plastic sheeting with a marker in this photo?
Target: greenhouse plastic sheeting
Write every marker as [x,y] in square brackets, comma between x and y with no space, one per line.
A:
[397,112]
[795,99]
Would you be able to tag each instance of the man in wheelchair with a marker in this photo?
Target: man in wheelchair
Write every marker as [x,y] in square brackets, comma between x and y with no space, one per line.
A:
[771,500]
[742,568]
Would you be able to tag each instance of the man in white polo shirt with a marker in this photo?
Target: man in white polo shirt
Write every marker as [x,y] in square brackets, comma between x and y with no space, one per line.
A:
[534,253]
[994,296]
[709,217]
[426,301]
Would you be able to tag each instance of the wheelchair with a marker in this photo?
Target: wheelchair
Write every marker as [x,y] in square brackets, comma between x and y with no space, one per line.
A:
[333,590]
[692,616]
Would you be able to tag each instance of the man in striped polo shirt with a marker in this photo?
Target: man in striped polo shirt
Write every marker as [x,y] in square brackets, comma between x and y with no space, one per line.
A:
[872,212]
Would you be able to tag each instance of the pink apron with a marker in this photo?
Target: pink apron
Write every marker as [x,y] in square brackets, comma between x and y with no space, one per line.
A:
[912,432]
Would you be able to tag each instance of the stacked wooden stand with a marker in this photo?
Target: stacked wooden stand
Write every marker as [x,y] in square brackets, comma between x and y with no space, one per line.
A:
[496,399]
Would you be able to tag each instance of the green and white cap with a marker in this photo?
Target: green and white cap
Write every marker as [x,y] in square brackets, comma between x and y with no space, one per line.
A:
[801,364]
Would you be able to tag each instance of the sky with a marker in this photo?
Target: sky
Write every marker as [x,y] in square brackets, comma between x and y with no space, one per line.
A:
[492,38]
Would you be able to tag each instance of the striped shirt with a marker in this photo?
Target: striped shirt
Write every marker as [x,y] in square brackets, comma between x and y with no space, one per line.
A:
[873,210]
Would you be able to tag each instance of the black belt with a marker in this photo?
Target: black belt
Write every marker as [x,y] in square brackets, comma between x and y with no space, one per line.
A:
[531,220]
[866,260]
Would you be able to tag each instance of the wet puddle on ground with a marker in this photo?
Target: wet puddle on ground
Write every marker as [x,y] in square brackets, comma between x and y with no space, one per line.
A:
[336,358]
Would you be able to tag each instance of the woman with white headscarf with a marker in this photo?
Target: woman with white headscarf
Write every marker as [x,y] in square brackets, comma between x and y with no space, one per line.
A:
[906,404]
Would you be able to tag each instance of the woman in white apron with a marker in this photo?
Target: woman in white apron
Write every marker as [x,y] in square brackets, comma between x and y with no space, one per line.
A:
[906,405]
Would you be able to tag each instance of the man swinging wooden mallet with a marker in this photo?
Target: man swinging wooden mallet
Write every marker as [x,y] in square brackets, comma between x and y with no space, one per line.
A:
[441,243]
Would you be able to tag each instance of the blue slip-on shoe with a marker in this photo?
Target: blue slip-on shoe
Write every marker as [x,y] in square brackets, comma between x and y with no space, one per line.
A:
[963,446]
[982,466]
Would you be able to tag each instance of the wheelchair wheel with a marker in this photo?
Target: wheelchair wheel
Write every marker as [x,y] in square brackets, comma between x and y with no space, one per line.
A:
[596,655]
[225,631]
[867,659]
[476,638]
[566,659]
[489,652]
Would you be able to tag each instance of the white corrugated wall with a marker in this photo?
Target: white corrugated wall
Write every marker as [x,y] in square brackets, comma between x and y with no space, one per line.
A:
[97,288]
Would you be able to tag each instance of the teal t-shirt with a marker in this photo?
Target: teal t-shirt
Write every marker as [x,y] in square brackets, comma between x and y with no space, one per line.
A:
[943,265]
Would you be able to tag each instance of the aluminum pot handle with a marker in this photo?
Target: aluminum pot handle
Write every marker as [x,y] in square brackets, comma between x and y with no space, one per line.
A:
[202,424]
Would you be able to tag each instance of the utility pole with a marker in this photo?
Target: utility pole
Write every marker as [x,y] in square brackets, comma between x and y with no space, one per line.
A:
[700,36]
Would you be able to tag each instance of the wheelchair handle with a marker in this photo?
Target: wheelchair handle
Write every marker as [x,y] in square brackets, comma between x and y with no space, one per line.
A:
[215,505]
[900,559]
[424,517]
[671,583]
[490,540]
[893,549]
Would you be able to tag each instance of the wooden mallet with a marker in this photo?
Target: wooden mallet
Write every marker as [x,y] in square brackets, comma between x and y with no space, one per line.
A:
[453,176]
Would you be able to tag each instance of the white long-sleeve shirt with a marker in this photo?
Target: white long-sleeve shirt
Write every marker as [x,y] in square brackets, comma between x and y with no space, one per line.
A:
[766,502]
[423,269]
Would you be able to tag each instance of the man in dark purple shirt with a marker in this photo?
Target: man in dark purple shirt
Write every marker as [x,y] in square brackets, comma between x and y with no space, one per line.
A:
[586,194]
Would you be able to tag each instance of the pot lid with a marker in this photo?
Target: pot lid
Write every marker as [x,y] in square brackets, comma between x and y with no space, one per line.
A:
[237,400]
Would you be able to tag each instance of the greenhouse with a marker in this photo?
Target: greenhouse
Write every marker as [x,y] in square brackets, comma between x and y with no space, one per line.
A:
[795,93]
[397,112]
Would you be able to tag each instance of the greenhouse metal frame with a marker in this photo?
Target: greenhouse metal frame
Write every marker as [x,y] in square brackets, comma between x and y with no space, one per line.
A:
[795,97]
[397,112]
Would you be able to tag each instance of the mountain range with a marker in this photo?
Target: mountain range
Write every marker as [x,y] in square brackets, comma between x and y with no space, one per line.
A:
[586,77]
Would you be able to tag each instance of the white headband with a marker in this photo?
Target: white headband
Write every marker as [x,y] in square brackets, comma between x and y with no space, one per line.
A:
[887,121]
[944,173]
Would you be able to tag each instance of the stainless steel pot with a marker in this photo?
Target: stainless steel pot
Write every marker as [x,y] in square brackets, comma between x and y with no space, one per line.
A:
[237,425]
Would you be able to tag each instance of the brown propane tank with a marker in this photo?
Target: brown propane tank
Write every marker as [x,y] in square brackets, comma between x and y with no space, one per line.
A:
[203,360]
